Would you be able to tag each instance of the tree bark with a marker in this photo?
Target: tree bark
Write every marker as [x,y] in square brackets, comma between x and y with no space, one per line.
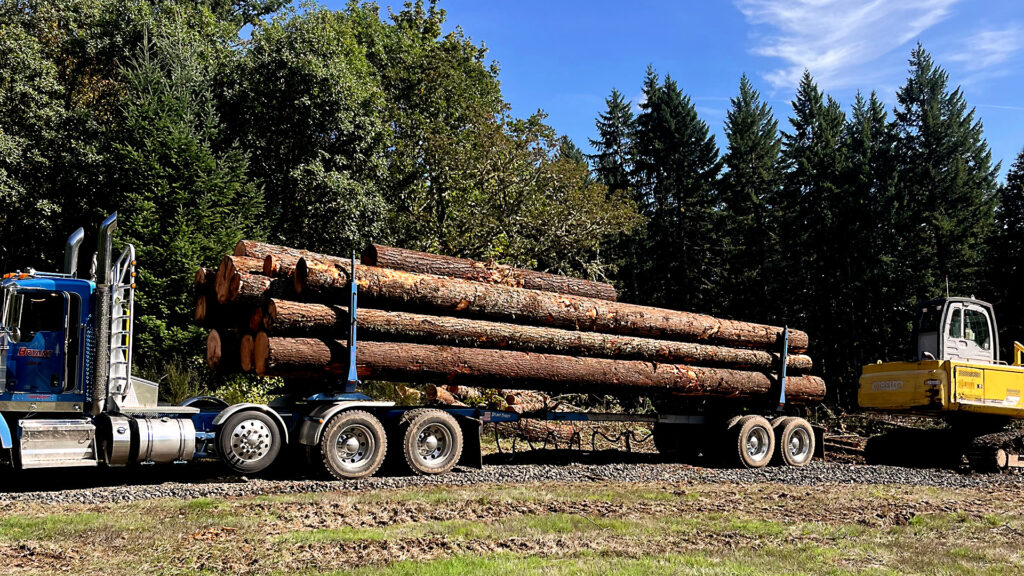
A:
[302,318]
[466,298]
[253,289]
[526,370]
[222,351]
[283,265]
[261,250]
[487,272]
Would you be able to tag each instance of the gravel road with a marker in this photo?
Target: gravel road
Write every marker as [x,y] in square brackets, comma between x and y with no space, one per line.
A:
[199,480]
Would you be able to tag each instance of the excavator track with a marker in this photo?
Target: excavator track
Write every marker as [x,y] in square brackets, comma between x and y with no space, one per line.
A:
[996,451]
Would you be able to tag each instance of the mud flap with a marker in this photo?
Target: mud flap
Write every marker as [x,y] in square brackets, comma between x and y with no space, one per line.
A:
[472,453]
[819,441]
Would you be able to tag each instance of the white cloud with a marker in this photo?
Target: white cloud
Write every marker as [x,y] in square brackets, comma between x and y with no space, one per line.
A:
[989,48]
[839,41]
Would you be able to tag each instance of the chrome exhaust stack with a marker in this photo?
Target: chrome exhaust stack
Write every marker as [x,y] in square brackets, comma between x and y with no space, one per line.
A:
[71,252]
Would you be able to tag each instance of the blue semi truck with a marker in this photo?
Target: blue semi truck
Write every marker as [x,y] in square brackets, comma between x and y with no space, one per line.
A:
[68,397]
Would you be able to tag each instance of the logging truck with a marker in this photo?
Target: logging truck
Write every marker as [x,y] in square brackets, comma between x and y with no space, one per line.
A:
[68,397]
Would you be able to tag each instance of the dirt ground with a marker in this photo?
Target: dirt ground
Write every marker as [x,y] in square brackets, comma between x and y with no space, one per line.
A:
[548,527]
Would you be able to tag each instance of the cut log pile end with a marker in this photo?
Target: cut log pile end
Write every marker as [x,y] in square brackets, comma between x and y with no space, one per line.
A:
[460,324]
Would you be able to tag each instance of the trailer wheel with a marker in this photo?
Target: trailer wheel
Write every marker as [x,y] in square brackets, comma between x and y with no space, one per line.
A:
[754,441]
[353,445]
[431,441]
[794,442]
[248,442]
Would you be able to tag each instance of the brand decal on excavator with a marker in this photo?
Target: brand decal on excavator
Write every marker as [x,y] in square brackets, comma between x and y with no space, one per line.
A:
[32,353]
[887,386]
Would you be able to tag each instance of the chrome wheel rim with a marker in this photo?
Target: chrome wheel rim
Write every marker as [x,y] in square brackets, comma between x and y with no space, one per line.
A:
[355,446]
[757,444]
[250,440]
[434,443]
[799,444]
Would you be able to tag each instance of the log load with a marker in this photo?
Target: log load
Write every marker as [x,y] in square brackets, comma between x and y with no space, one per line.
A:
[440,395]
[528,370]
[247,353]
[283,265]
[467,298]
[487,272]
[286,317]
[231,265]
[223,351]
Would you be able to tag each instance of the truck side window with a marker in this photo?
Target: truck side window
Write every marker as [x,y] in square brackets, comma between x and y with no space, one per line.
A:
[956,324]
[41,313]
[976,328]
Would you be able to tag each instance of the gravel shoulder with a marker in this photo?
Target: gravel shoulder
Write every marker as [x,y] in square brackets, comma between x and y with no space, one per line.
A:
[205,480]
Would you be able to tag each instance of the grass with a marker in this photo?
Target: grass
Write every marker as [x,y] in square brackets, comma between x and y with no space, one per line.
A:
[548,529]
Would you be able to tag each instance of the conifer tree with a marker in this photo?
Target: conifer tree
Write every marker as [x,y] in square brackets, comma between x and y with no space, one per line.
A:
[613,157]
[677,162]
[947,181]
[1006,264]
[748,187]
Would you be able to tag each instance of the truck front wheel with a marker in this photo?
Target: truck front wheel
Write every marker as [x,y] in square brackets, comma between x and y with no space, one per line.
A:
[248,442]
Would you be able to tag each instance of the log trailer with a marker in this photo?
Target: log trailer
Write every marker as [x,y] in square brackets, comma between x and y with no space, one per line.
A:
[68,398]
[957,375]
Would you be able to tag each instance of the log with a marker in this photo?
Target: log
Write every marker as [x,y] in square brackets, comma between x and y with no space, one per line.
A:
[524,401]
[211,314]
[247,353]
[284,317]
[466,298]
[528,370]
[256,320]
[540,431]
[487,272]
[439,395]
[229,266]
[254,288]
[205,281]
[202,310]
[283,265]
[222,351]
[261,250]
[465,393]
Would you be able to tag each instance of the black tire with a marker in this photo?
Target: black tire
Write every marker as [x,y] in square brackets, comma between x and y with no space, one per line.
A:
[364,450]
[431,441]
[753,441]
[249,441]
[794,442]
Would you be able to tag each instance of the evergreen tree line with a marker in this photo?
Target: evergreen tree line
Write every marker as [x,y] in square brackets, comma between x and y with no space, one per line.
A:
[837,223]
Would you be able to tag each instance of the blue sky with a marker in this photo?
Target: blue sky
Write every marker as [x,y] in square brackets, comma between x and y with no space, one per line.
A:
[564,57]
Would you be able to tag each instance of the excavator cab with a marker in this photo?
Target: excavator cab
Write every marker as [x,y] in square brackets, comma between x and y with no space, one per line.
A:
[962,329]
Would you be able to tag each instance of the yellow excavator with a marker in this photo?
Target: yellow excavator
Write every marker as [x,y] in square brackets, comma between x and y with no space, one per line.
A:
[957,375]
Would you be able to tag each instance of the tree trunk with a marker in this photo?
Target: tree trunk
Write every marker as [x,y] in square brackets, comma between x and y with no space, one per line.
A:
[283,265]
[229,266]
[487,272]
[253,289]
[527,370]
[256,320]
[222,351]
[465,393]
[303,318]
[466,298]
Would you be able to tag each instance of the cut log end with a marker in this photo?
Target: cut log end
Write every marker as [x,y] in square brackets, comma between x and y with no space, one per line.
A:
[247,357]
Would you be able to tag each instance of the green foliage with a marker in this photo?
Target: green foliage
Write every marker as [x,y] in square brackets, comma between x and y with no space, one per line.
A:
[1006,257]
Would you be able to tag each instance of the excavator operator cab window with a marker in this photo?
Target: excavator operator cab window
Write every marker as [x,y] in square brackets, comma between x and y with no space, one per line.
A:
[976,328]
[956,323]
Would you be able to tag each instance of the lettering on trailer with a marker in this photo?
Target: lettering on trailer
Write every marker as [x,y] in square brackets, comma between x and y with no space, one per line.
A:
[33,353]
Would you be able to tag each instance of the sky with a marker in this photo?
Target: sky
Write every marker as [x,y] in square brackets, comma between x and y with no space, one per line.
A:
[565,56]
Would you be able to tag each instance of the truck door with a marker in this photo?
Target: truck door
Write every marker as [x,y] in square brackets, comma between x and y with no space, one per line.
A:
[36,359]
[977,341]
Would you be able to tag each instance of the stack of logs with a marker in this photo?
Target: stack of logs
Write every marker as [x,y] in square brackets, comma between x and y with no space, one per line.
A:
[283,312]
